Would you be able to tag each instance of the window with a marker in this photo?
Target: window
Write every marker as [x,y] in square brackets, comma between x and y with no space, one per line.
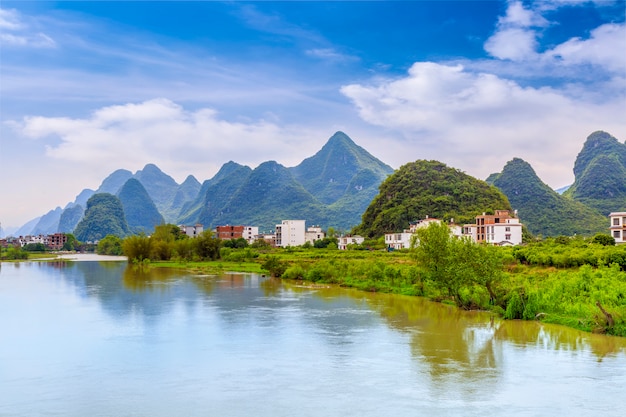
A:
[616,234]
[507,229]
[507,237]
[616,221]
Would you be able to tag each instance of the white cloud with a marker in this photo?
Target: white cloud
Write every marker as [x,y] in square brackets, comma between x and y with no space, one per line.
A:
[515,44]
[15,32]
[160,131]
[605,47]
[473,120]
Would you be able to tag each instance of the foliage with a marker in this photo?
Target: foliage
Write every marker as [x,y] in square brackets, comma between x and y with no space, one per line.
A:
[140,211]
[604,239]
[71,242]
[542,210]
[70,218]
[104,216]
[274,266]
[456,265]
[34,247]
[13,253]
[235,243]
[428,188]
[137,247]
[109,245]
[600,174]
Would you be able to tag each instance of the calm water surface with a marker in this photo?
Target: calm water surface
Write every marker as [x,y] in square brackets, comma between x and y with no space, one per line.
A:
[101,339]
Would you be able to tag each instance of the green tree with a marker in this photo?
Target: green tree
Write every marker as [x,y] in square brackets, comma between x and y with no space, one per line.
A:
[604,239]
[208,246]
[137,247]
[71,243]
[109,245]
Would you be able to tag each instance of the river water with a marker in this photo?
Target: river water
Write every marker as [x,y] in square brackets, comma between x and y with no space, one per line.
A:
[104,339]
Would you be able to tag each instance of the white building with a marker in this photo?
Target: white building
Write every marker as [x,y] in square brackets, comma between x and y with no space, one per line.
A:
[344,241]
[290,233]
[403,240]
[192,231]
[314,233]
[618,226]
[496,229]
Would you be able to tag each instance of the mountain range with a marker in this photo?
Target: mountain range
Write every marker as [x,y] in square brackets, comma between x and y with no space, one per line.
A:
[345,187]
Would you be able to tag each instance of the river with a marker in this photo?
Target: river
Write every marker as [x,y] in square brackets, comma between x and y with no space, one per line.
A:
[106,339]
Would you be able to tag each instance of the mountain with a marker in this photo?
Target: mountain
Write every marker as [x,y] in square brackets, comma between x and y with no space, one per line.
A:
[215,194]
[71,217]
[186,192]
[114,182]
[336,168]
[428,188]
[104,215]
[139,209]
[48,223]
[600,174]
[161,187]
[541,209]
[27,228]
[268,195]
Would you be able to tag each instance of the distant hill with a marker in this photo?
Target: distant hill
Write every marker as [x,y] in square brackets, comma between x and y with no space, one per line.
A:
[104,215]
[331,188]
[541,209]
[140,211]
[70,218]
[48,223]
[428,188]
[600,174]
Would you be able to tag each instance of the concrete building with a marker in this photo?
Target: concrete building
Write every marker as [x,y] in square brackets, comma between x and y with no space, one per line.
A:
[314,233]
[344,241]
[618,226]
[56,241]
[290,233]
[235,232]
[497,229]
[192,231]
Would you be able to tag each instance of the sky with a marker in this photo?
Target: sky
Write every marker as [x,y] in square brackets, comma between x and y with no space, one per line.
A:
[87,88]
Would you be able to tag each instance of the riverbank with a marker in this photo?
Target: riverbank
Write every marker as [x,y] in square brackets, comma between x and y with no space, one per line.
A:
[566,296]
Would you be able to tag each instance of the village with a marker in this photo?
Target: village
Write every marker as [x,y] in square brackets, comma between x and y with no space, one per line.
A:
[502,228]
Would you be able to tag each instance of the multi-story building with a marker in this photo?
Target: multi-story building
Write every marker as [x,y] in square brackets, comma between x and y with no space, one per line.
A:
[290,233]
[314,233]
[498,229]
[403,240]
[235,232]
[344,241]
[192,231]
[56,241]
[618,226]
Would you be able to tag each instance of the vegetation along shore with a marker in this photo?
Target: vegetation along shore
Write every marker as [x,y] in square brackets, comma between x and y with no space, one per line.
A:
[574,281]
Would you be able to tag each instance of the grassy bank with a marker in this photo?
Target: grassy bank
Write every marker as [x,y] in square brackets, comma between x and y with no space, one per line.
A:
[587,298]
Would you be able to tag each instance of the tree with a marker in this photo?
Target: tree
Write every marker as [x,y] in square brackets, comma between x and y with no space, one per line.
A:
[455,264]
[604,239]
[208,246]
[109,245]
[137,247]
[71,243]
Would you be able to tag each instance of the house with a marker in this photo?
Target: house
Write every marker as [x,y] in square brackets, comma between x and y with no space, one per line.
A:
[344,241]
[403,240]
[192,231]
[227,232]
[314,233]
[290,233]
[56,241]
[500,228]
[618,226]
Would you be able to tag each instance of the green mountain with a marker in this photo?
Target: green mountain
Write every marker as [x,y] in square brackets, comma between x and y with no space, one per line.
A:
[186,193]
[70,217]
[340,167]
[269,195]
[104,215]
[162,189]
[428,188]
[541,209]
[215,195]
[600,174]
[114,182]
[139,209]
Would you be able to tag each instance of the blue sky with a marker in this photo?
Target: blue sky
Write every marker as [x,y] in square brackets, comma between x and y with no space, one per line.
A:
[90,87]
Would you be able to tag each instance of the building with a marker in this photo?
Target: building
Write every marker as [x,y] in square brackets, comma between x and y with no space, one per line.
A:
[498,229]
[403,240]
[249,233]
[56,241]
[290,233]
[618,226]
[344,241]
[192,231]
[314,233]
